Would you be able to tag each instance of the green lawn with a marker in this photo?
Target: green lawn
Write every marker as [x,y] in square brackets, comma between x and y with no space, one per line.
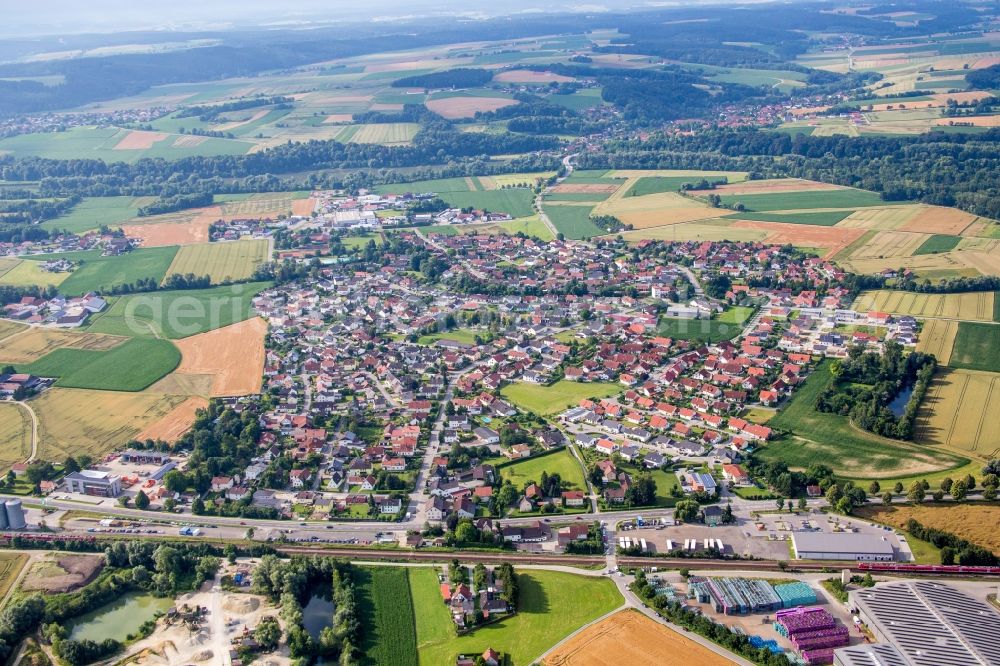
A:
[360,242]
[573,221]
[938,243]
[830,439]
[847,198]
[821,219]
[97,273]
[548,400]
[458,335]
[562,463]
[552,605]
[386,607]
[698,329]
[92,212]
[977,347]
[131,366]
[177,314]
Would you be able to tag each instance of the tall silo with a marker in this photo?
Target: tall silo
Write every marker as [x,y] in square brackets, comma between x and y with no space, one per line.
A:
[15,514]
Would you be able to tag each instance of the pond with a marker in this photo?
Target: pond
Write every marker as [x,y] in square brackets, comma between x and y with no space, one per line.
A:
[317,615]
[119,618]
[898,404]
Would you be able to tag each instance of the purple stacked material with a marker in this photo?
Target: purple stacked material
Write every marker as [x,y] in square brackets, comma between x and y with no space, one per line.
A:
[820,656]
[805,619]
[832,639]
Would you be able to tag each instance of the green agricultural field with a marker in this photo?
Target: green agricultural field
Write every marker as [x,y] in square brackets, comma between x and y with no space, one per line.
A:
[573,221]
[851,452]
[977,347]
[131,366]
[29,273]
[439,186]
[387,134]
[657,184]
[588,98]
[821,219]
[92,212]
[938,243]
[595,197]
[698,329]
[531,226]
[222,262]
[516,202]
[100,143]
[177,314]
[390,636]
[98,273]
[552,605]
[548,400]
[562,463]
[846,198]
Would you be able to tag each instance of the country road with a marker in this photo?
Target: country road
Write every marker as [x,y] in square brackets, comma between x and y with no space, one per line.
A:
[568,165]
[34,429]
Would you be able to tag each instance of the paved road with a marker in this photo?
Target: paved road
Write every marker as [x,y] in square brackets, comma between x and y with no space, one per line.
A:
[568,166]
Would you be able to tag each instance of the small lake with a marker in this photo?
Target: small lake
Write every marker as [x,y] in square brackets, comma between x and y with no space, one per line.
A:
[119,618]
[317,615]
[898,404]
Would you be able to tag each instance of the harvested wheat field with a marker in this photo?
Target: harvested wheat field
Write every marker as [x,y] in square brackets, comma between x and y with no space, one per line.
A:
[694,231]
[528,76]
[655,210]
[75,421]
[978,244]
[770,187]
[224,261]
[139,140]
[175,423]
[944,264]
[33,343]
[882,219]
[62,573]
[303,207]
[338,118]
[939,220]
[959,412]
[938,337]
[188,141]
[987,263]
[974,522]
[466,107]
[170,233]
[584,188]
[968,306]
[186,385]
[629,637]
[227,127]
[832,239]
[978,121]
[886,244]
[233,354]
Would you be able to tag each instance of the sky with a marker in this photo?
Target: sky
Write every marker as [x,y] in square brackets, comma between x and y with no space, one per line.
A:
[77,16]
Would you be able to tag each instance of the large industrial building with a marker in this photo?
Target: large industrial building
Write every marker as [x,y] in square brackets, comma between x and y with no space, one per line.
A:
[94,482]
[928,624]
[842,546]
[872,654]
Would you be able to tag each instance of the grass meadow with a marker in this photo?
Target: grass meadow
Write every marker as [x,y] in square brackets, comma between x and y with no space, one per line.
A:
[846,198]
[548,400]
[552,605]
[131,366]
[573,222]
[561,462]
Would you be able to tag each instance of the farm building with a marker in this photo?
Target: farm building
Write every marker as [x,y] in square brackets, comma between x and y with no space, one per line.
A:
[964,629]
[842,546]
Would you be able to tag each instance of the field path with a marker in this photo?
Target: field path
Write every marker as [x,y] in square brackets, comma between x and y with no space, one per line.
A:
[568,163]
[34,429]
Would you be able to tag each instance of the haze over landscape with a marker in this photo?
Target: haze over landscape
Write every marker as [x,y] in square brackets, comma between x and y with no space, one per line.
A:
[500,333]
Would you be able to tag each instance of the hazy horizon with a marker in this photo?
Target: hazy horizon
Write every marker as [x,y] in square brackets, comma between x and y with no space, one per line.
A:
[58,17]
